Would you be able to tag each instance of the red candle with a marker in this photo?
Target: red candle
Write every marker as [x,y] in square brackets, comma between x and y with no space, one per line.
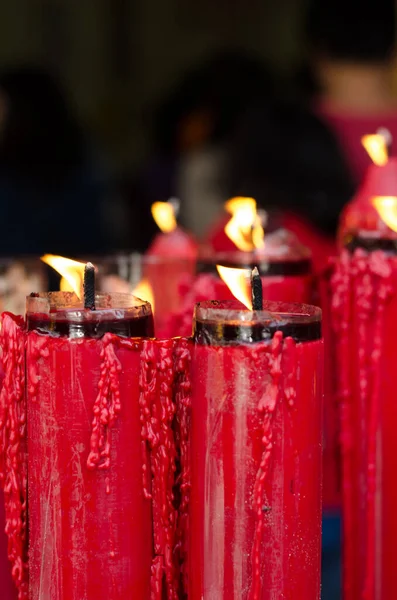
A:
[173,241]
[171,257]
[364,307]
[255,509]
[90,536]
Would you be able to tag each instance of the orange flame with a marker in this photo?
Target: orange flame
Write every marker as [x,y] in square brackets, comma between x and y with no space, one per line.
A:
[245,227]
[164,213]
[72,272]
[387,210]
[144,291]
[238,282]
[376,146]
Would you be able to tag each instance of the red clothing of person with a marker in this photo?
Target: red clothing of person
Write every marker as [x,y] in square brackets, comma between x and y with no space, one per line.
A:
[349,128]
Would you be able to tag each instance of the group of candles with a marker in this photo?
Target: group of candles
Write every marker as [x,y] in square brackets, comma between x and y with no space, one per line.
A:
[189,465]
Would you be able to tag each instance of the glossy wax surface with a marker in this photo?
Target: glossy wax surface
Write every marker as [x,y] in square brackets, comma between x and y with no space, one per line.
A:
[89,528]
[255,509]
[364,307]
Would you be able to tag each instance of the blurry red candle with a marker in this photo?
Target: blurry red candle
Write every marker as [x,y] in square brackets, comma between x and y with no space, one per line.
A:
[364,309]
[255,509]
[171,257]
[283,263]
[173,241]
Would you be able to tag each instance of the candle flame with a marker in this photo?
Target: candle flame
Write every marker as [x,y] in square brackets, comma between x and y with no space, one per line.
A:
[376,146]
[72,272]
[387,210]
[144,291]
[164,213]
[245,226]
[238,282]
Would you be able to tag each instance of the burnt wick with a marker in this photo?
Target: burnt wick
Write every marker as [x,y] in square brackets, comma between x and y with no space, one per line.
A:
[89,286]
[256,290]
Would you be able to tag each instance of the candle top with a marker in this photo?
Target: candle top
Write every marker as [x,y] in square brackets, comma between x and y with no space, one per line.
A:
[63,313]
[224,322]
[365,216]
[282,254]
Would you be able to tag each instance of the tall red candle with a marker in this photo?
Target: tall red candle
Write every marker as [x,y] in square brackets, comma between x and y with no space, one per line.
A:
[364,307]
[90,525]
[255,509]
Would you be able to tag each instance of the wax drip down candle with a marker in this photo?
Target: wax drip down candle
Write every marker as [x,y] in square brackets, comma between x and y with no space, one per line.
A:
[364,309]
[13,460]
[255,505]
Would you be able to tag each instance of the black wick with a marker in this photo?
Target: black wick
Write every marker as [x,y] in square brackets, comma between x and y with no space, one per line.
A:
[256,290]
[89,286]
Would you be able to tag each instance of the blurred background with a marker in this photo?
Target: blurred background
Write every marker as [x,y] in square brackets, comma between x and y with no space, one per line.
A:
[109,105]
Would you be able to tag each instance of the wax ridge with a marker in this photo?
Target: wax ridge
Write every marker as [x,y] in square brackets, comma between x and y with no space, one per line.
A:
[282,365]
[107,406]
[182,394]
[164,385]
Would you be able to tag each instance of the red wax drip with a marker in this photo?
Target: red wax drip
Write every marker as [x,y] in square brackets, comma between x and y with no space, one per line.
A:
[13,464]
[107,406]
[266,407]
[182,390]
[157,415]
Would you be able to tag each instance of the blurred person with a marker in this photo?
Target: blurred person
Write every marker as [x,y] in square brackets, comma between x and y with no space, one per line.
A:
[191,132]
[52,195]
[287,158]
[351,52]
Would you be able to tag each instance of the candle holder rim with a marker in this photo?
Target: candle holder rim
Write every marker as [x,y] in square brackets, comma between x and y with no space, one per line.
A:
[67,305]
[229,311]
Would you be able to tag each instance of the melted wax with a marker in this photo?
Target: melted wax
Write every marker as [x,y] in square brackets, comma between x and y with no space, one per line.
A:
[209,286]
[165,388]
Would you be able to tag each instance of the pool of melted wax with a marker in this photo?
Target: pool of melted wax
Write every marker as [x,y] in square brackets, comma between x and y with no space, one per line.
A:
[209,286]
[364,307]
[103,465]
[13,460]
[255,509]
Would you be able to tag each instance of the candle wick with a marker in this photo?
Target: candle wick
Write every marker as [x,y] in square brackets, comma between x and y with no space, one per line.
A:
[89,286]
[256,290]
